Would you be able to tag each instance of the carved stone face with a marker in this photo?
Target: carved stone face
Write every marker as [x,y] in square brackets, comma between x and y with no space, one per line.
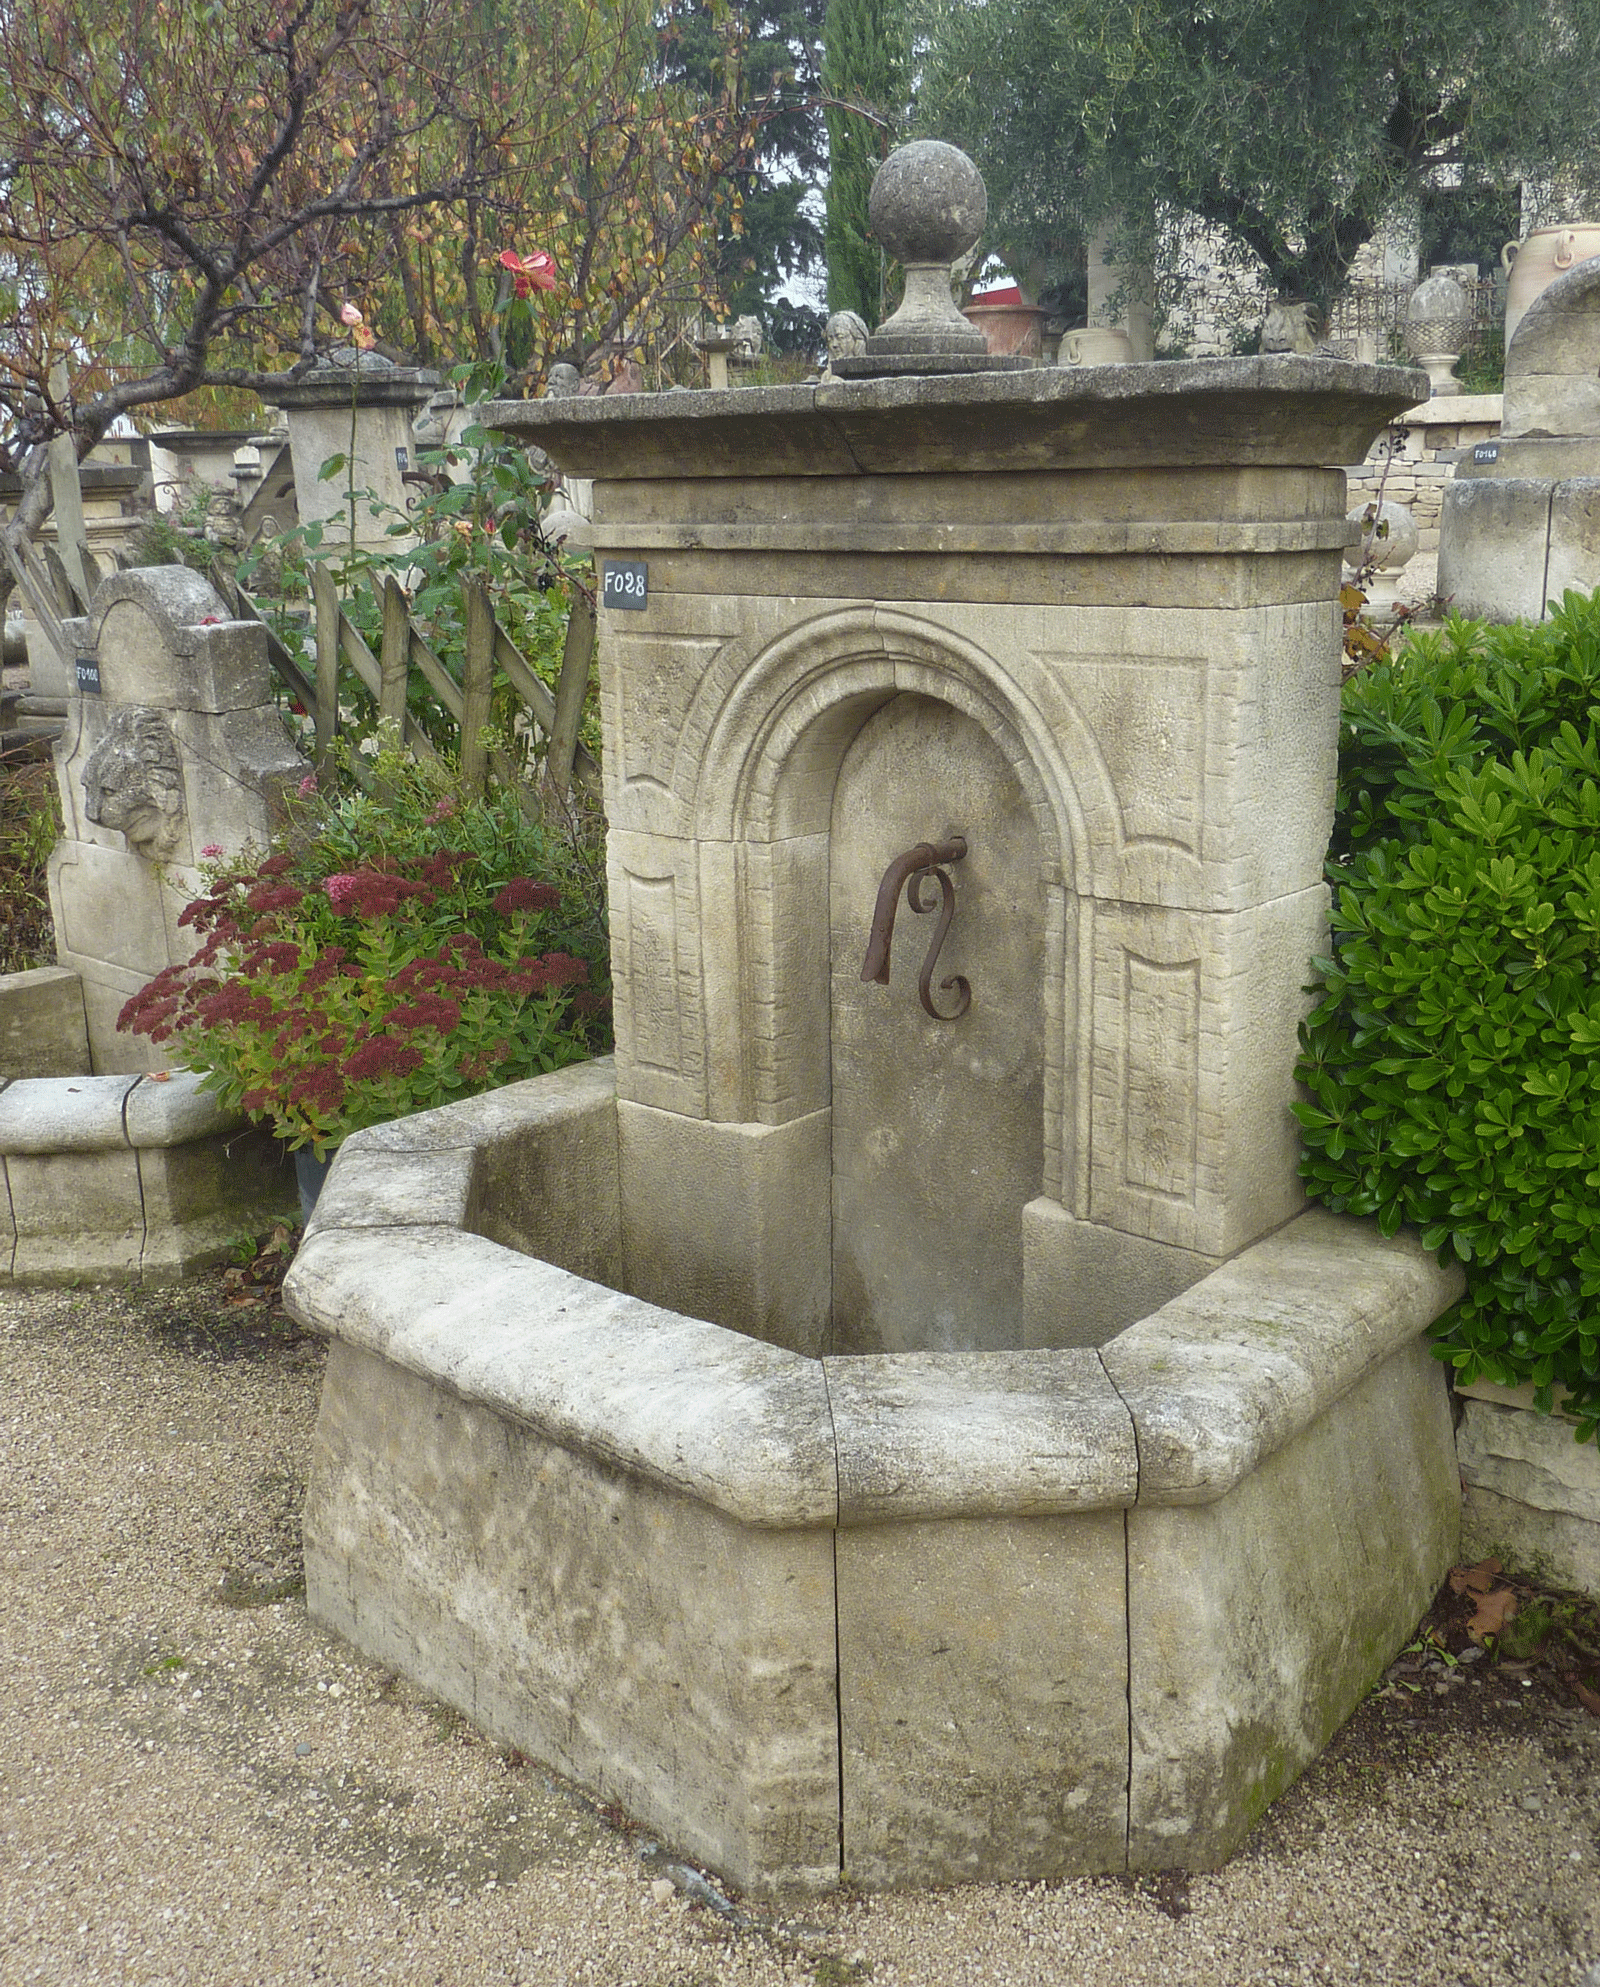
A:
[133,781]
[1290,327]
[847,335]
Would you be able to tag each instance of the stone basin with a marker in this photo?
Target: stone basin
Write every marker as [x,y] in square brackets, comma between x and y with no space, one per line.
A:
[898,1618]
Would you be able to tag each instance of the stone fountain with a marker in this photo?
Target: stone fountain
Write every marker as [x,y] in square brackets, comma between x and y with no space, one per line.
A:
[899,1421]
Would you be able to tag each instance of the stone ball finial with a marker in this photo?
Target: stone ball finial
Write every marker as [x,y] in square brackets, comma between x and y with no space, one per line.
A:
[928,202]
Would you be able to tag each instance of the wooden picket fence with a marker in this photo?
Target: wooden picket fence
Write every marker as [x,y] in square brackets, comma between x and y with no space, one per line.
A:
[564,763]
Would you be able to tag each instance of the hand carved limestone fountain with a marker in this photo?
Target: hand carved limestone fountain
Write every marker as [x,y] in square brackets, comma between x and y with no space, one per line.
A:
[901,1420]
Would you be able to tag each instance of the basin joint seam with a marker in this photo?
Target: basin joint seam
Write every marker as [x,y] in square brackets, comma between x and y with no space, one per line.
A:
[838,1653]
[138,1174]
[11,1211]
[1549,535]
[1127,1611]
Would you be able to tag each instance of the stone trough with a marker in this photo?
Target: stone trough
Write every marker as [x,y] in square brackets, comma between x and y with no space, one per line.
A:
[909,1428]
[905,1618]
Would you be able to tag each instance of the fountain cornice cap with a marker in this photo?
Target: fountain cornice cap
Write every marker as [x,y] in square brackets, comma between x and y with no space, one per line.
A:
[1281,410]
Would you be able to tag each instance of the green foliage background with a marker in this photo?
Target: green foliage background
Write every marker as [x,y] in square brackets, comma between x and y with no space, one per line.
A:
[865,62]
[1451,1058]
[1295,126]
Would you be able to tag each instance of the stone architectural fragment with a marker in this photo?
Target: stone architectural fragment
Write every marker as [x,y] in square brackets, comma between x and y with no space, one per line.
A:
[172,746]
[1522,524]
[117,1177]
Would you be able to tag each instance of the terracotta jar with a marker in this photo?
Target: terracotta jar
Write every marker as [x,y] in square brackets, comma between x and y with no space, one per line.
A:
[1534,263]
[1009,328]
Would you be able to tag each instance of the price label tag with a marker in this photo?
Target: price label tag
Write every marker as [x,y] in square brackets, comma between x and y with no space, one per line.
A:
[626,584]
[1486,451]
[88,672]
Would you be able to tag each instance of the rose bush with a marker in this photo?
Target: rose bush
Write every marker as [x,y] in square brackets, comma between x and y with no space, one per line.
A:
[392,952]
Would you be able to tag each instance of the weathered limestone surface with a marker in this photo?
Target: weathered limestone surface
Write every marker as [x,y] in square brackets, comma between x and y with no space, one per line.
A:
[927,1435]
[118,1176]
[1530,1490]
[1082,1283]
[42,1031]
[983,1699]
[1518,531]
[544,1177]
[1088,625]
[1494,544]
[359,406]
[76,1214]
[633,1637]
[1258,1622]
[1231,1371]
[729,1221]
[1275,1441]
[1116,595]
[180,750]
[693,1408]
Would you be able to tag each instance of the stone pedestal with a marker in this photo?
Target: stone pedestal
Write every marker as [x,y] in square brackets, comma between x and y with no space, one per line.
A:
[372,402]
[1093,622]
[1521,520]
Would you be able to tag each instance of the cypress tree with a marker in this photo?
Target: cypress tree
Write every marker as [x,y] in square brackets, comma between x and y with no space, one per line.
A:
[863,63]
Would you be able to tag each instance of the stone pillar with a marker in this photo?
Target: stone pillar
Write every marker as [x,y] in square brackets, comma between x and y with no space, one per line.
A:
[1121,294]
[172,745]
[378,400]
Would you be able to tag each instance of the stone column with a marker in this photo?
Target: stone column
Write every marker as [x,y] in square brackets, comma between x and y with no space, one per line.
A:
[1121,294]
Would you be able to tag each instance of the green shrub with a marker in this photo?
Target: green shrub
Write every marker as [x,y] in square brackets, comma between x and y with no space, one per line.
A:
[1451,1058]
[394,952]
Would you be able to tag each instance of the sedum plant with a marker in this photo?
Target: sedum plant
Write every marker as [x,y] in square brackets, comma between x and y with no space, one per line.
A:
[1451,1056]
[394,952]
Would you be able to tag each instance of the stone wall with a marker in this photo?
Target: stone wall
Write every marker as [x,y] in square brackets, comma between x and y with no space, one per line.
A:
[1420,451]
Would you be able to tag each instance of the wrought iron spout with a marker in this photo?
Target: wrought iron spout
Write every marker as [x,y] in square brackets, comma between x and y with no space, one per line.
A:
[909,869]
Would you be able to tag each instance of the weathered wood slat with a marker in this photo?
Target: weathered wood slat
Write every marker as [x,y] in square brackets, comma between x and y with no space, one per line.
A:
[445,687]
[477,685]
[530,687]
[571,690]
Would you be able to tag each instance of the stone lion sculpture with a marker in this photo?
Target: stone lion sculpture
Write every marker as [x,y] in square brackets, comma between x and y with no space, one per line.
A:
[1290,326]
[133,781]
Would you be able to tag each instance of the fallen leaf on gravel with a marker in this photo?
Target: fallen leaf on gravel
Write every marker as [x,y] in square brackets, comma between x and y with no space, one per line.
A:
[1493,1612]
[1474,1579]
[1589,1699]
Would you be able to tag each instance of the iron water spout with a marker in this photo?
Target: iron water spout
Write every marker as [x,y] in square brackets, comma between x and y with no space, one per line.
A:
[910,869]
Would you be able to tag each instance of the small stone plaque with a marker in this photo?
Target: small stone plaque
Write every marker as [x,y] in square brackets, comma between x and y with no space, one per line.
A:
[626,584]
[88,671]
[1486,451]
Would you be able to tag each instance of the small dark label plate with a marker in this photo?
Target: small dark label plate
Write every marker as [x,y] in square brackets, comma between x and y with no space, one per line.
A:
[1486,451]
[626,584]
[88,670]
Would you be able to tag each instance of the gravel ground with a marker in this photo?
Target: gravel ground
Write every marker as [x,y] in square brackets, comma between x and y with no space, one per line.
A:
[198,1784]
